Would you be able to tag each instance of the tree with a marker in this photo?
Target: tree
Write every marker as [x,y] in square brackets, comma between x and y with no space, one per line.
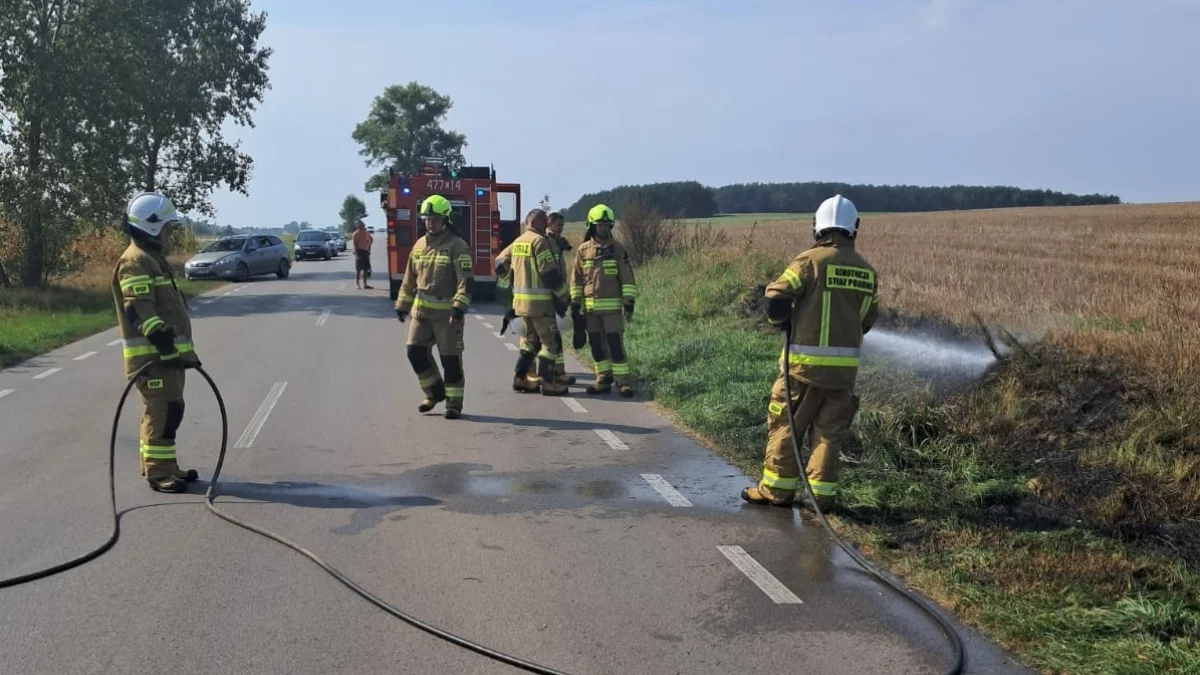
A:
[405,125]
[353,210]
[291,228]
[202,68]
[59,150]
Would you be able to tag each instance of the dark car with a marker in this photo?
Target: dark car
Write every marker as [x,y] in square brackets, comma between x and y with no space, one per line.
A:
[313,244]
[240,257]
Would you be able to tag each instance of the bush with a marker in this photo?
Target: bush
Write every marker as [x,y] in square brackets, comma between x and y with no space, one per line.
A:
[647,235]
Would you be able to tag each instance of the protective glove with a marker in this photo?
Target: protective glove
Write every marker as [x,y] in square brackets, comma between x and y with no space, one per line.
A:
[401,314]
[192,361]
[560,307]
[456,314]
[508,319]
[578,330]
[629,309]
[164,341]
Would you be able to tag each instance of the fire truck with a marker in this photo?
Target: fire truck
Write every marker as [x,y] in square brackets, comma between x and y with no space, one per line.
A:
[486,215]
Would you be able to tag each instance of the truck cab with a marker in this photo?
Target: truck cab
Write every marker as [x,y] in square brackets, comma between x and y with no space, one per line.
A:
[486,215]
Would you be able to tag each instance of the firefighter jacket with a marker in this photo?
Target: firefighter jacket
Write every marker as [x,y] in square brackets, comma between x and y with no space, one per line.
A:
[438,278]
[830,296]
[602,277]
[504,271]
[538,282]
[148,303]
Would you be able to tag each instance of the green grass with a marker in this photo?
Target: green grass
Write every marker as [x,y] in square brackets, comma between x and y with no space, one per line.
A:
[938,490]
[34,321]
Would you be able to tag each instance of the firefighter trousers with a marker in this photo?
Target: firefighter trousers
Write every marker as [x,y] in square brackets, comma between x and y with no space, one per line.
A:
[542,339]
[824,417]
[535,345]
[161,389]
[423,335]
[606,335]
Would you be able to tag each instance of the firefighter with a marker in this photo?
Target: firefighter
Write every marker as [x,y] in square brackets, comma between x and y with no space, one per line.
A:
[602,284]
[558,245]
[152,317]
[539,292]
[826,299]
[437,290]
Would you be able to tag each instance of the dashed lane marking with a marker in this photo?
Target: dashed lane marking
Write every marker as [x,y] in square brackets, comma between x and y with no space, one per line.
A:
[342,287]
[85,355]
[6,392]
[574,405]
[665,489]
[760,576]
[480,317]
[498,335]
[488,326]
[612,440]
[260,417]
[324,317]
[48,373]
[511,347]
[114,343]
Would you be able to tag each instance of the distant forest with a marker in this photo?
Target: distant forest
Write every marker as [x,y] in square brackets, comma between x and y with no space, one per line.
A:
[690,199]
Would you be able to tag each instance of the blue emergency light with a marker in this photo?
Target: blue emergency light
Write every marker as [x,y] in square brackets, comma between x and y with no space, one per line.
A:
[479,192]
[406,190]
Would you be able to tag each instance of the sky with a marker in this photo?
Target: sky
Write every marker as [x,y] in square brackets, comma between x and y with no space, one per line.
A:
[566,98]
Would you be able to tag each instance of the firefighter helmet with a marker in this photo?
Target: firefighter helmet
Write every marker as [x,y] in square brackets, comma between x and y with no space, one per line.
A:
[836,213]
[150,212]
[436,205]
[600,214]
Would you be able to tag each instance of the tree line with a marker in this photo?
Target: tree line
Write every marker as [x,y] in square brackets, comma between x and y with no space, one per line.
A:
[103,98]
[693,200]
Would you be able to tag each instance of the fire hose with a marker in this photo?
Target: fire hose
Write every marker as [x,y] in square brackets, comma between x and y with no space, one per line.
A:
[370,597]
[952,635]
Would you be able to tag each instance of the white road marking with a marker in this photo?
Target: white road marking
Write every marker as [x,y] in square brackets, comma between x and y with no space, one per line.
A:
[571,403]
[114,343]
[488,326]
[6,392]
[512,347]
[612,440]
[773,587]
[481,317]
[226,293]
[260,417]
[324,317]
[342,287]
[48,373]
[498,335]
[86,355]
[208,302]
[665,489]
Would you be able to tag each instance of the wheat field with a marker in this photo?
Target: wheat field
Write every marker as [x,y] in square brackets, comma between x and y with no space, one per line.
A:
[1110,280]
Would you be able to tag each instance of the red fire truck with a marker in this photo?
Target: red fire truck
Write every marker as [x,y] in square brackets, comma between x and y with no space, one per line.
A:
[486,215]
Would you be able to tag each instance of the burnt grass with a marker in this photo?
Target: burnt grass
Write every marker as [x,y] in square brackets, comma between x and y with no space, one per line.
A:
[1045,417]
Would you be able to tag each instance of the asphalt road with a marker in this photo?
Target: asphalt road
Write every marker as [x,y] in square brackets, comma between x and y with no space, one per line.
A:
[586,533]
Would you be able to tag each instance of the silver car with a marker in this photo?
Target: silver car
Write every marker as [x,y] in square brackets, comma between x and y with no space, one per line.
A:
[240,257]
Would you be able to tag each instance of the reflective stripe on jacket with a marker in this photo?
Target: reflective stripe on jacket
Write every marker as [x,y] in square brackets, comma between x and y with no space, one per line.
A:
[147,300]
[438,278]
[602,277]
[835,292]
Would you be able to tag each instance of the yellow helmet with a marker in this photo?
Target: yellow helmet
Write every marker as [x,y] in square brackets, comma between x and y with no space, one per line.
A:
[436,205]
[600,214]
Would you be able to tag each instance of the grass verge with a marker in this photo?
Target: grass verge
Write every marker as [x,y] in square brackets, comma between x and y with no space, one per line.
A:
[36,320]
[1053,504]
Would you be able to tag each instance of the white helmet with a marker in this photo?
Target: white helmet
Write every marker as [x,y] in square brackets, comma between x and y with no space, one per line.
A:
[150,212]
[836,212]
